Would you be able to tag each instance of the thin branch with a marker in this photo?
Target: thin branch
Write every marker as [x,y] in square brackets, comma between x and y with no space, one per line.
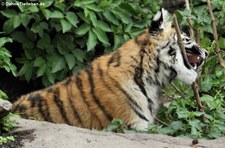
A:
[179,39]
[189,19]
[197,97]
[178,90]
[215,35]
[160,121]
[194,85]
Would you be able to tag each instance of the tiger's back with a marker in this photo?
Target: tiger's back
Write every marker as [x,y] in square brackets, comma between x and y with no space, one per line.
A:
[125,84]
[90,98]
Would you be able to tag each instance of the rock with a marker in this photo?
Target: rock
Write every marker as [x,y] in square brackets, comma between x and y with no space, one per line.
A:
[49,135]
[5,107]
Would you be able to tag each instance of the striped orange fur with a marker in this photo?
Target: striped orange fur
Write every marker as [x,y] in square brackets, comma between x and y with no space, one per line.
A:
[124,84]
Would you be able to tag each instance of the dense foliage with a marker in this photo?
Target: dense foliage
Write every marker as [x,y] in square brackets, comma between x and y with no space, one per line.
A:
[58,37]
[5,123]
[182,115]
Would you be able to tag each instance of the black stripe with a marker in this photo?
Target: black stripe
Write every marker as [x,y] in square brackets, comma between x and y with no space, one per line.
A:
[100,71]
[166,45]
[172,51]
[82,93]
[139,80]
[75,113]
[96,99]
[21,108]
[173,74]
[115,58]
[132,103]
[40,103]
[141,42]
[33,100]
[59,103]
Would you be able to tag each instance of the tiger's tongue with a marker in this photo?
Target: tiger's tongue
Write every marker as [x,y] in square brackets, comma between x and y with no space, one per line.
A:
[193,58]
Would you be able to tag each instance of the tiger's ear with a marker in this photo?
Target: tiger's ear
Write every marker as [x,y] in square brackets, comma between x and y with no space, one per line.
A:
[161,21]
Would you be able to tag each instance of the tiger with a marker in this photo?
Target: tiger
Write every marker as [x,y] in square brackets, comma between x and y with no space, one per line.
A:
[125,84]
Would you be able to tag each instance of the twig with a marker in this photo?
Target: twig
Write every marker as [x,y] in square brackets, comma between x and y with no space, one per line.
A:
[215,35]
[197,97]
[189,19]
[178,90]
[160,121]
[194,85]
[179,39]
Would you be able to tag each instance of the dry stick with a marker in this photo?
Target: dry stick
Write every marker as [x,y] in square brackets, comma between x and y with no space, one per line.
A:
[160,121]
[180,43]
[195,85]
[179,39]
[189,19]
[215,35]
[177,89]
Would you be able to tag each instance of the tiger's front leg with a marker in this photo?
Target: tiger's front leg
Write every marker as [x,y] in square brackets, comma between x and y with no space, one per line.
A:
[140,125]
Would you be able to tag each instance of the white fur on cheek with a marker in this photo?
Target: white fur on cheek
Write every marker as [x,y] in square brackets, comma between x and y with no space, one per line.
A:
[184,74]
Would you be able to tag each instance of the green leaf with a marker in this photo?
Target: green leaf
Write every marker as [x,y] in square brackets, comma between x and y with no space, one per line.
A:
[50,76]
[57,14]
[176,125]
[196,124]
[72,18]
[9,13]
[16,22]
[41,70]
[66,26]
[222,42]
[206,84]
[44,42]
[25,19]
[83,29]
[105,27]
[4,40]
[93,18]
[210,101]
[33,9]
[70,60]
[47,4]
[39,61]
[182,113]
[83,17]
[8,26]
[79,54]
[111,17]
[60,64]
[36,28]
[219,71]
[124,18]
[47,13]
[101,35]
[93,7]
[92,41]
[83,2]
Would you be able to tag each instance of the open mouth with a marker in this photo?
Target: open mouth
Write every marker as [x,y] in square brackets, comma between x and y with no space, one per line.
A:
[194,59]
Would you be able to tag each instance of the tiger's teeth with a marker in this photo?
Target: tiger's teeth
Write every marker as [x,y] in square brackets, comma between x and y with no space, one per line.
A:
[195,67]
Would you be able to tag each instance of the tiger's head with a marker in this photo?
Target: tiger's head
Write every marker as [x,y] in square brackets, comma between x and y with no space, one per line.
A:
[169,52]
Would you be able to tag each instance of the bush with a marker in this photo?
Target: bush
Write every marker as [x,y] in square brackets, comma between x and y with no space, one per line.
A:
[5,123]
[182,116]
[59,37]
